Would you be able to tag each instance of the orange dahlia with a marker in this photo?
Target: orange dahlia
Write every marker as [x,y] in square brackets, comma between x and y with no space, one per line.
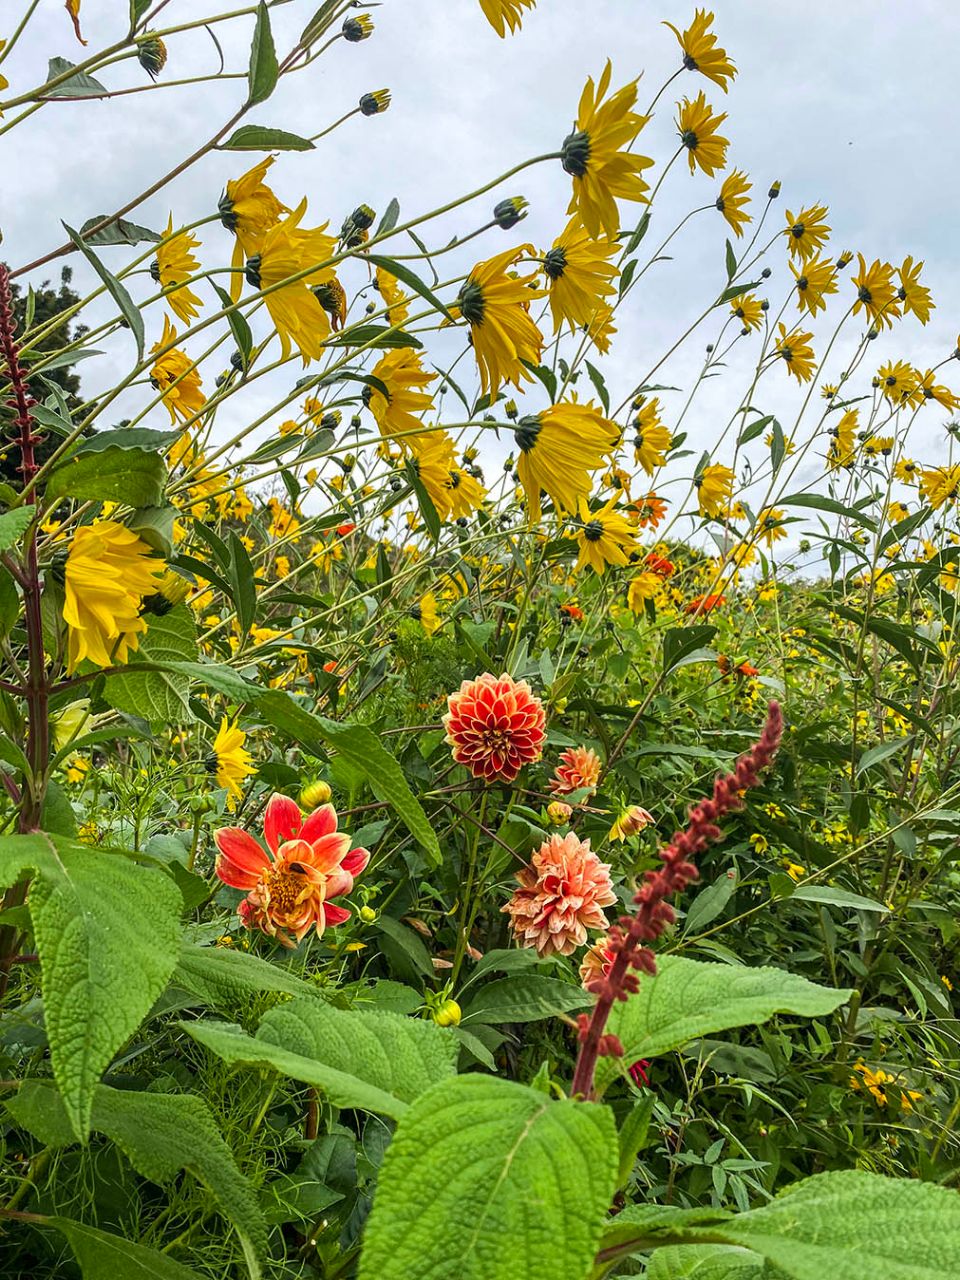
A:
[579,767]
[495,726]
[289,889]
[560,896]
[595,963]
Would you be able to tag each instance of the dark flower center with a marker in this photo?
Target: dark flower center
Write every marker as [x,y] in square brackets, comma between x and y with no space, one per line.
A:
[470,302]
[555,262]
[593,531]
[575,153]
[528,428]
[689,139]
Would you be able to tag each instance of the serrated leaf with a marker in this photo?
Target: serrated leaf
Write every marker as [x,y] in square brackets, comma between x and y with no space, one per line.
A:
[221,976]
[118,232]
[128,308]
[524,998]
[264,70]
[14,524]
[113,474]
[410,279]
[706,1262]
[689,999]
[160,697]
[254,137]
[78,86]
[476,1151]
[143,438]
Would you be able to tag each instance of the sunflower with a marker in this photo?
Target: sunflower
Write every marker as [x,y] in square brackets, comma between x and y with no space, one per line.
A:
[230,760]
[453,492]
[287,251]
[879,446]
[876,292]
[605,537]
[175,376]
[900,383]
[907,471]
[395,300]
[749,310]
[939,485]
[701,51]
[807,232]
[601,328]
[494,303]
[593,155]
[406,381]
[930,389]
[465,493]
[173,265]
[697,127]
[842,446]
[559,448]
[769,527]
[645,587]
[733,200]
[652,440]
[794,348]
[914,295]
[580,275]
[714,488]
[249,209]
[815,279]
[505,13]
[425,612]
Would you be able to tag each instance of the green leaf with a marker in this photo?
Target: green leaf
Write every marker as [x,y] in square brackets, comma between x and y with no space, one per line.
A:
[103,1256]
[214,675]
[710,902]
[128,308]
[160,697]
[242,334]
[254,137]
[820,502]
[107,935]
[373,335]
[155,526]
[490,1180]
[833,897]
[390,218]
[735,291]
[688,999]
[755,429]
[409,942]
[78,86]
[137,9]
[14,524]
[778,447]
[706,1262]
[883,751]
[600,386]
[367,1059]
[264,70]
[633,1137]
[678,642]
[319,22]
[9,602]
[730,260]
[411,280]
[524,998]
[118,232]
[113,474]
[221,976]
[639,232]
[429,512]
[364,750]
[143,438]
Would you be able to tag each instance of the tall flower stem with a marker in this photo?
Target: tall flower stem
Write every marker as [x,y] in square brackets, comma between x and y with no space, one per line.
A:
[654,913]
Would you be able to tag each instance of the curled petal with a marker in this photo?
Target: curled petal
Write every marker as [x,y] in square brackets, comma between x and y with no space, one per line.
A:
[281,821]
[241,860]
[356,861]
[334,914]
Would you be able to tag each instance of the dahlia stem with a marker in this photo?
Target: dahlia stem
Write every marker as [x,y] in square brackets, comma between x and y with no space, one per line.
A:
[470,907]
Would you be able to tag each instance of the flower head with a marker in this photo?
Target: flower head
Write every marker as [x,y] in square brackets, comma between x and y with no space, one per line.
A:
[176,377]
[494,301]
[795,350]
[393,296]
[580,275]
[939,485]
[697,126]
[733,200]
[560,896]
[291,887]
[807,232]
[714,488]
[630,822]
[606,536]
[815,279]
[230,760]
[173,265]
[649,511]
[249,209]
[579,768]
[495,726]
[842,444]
[502,14]
[748,309]
[876,292]
[559,448]
[701,51]
[287,251]
[407,396]
[652,440]
[914,295]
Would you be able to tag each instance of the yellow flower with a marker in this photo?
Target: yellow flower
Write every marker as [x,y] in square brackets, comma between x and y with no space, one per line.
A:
[645,587]
[396,300]
[878,445]
[876,292]
[914,296]
[601,328]
[807,232]
[453,491]
[794,870]
[109,570]
[873,1081]
[939,485]
[697,127]
[900,383]
[748,309]
[841,451]
[230,760]
[287,251]
[173,265]
[559,448]
[605,537]
[580,274]
[594,155]
[406,381]
[769,527]
[733,200]
[652,440]
[906,470]
[249,209]
[701,51]
[425,612]
[494,303]
[815,279]
[505,13]
[930,389]
[759,842]
[794,348]
[175,376]
[714,488]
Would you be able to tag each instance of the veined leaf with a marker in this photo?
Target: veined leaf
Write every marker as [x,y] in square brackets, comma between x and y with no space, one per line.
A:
[128,308]
[104,1256]
[264,70]
[254,137]
[160,696]
[77,86]
[119,231]
[222,976]
[113,474]
[14,524]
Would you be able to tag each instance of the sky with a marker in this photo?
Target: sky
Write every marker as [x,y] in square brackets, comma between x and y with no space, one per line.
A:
[851,105]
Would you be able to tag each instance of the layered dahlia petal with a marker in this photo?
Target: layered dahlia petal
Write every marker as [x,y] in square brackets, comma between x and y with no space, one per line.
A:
[560,896]
[356,861]
[241,860]
[322,822]
[334,914]
[495,726]
[281,820]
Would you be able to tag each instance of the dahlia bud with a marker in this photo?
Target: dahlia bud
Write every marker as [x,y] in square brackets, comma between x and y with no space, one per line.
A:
[374,104]
[152,55]
[509,212]
[314,794]
[631,822]
[558,812]
[447,1014]
[367,914]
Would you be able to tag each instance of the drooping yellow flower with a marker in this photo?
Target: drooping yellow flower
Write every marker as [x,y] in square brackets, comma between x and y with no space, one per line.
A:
[748,309]
[714,488]
[645,587]
[230,760]
[701,51]
[108,572]
[914,295]
[697,126]
[900,383]
[287,251]
[605,536]
[559,448]
[939,485]
[175,376]
[594,155]
[453,491]
[930,389]
[580,274]
[815,279]
[249,209]
[494,303]
[399,412]
[425,612]
[502,14]
[841,451]
[795,350]
[733,200]
[769,527]
[807,232]
[907,471]
[652,440]
[878,446]
[393,296]
[601,328]
[175,264]
[465,493]
[876,292]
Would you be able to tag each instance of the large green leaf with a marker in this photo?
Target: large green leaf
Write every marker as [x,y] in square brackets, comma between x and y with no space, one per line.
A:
[264,70]
[254,137]
[524,998]
[161,697]
[364,750]
[221,976]
[114,474]
[374,1061]
[128,308]
[107,935]
[103,1256]
[706,1262]
[688,999]
[14,524]
[490,1180]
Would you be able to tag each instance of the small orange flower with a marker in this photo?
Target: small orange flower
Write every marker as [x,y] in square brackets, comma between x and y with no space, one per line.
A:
[344,529]
[657,564]
[595,963]
[289,889]
[649,511]
[705,604]
[495,726]
[572,611]
[579,767]
[560,896]
[747,669]
[631,822]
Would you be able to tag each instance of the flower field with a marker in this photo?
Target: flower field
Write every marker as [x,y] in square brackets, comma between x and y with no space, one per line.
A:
[479,746]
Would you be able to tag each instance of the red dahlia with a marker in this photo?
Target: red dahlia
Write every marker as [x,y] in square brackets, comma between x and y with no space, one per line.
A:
[495,726]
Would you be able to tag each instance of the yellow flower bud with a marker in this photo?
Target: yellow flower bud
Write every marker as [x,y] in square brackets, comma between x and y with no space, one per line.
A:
[314,794]
[447,1014]
[367,914]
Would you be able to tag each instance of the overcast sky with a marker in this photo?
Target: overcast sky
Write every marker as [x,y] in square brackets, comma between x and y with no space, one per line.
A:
[852,104]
